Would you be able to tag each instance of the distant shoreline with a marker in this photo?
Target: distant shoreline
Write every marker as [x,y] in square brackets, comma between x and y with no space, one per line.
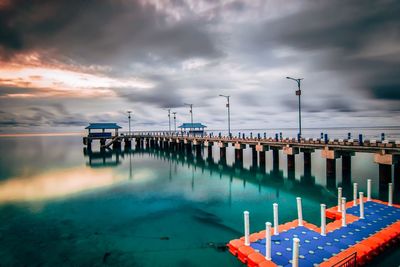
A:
[40,134]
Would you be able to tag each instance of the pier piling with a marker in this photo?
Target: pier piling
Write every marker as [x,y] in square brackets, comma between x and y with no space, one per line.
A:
[275,158]
[307,163]
[262,159]
[331,173]
[254,155]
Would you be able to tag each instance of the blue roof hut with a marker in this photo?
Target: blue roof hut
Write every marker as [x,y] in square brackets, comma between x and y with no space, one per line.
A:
[193,128]
[103,126]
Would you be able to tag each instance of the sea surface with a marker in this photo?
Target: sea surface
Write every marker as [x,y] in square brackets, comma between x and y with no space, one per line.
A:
[63,206]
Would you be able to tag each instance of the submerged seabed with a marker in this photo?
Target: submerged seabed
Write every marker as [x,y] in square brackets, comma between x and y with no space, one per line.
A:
[60,206]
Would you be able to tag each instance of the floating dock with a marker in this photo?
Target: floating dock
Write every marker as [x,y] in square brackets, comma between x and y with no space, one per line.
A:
[362,229]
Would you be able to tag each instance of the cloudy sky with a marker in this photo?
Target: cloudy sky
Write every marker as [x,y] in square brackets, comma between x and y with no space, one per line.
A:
[66,63]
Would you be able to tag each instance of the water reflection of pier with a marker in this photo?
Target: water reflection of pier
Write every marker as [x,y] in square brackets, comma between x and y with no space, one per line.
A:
[103,158]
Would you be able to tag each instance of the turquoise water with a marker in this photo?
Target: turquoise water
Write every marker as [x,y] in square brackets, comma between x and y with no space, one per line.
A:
[60,206]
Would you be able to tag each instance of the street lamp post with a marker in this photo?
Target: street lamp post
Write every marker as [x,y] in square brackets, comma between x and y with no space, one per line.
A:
[174,121]
[298,92]
[229,113]
[191,115]
[169,120]
[129,121]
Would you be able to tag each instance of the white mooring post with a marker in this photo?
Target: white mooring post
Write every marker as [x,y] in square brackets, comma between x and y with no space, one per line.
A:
[390,197]
[268,241]
[361,205]
[323,219]
[355,189]
[295,257]
[344,211]
[339,199]
[369,190]
[299,211]
[246,229]
[276,219]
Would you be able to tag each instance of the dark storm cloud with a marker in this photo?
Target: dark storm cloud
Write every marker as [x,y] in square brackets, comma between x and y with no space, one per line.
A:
[356,38]
[42,116]
[165,94]
[387,91]
[317,105]
[101,32]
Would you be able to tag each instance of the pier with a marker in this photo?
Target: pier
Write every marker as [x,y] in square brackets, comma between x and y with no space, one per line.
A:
[386,153]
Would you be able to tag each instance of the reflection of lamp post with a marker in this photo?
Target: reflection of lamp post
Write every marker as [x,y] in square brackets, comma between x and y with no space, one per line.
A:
[130,166]
[174,121]
[298,92]
[191,115]
[229,114]
[129,119]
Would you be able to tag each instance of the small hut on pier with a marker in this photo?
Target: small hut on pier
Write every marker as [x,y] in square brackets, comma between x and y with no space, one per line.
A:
[98,130]
[193,128]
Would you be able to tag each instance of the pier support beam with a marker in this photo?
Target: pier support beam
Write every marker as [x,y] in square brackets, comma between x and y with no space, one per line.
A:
[275,159]
[188,146]
[307,163]
[291,153]
[166,144]
[198,149]
[385,162]
[291,166]
[261,152]
[254,156]
[330,156]
[209,152]
[89,144]
[179,145]
[307,178]
[222,152]
[102,144]
[346,168]
[239,153]
[222,149]
[307,160]
[209,145]
[137,143]
[127,143]
[262,160]
[116,144]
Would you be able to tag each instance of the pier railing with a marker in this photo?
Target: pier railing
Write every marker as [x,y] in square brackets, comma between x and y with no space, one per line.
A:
[360,144]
